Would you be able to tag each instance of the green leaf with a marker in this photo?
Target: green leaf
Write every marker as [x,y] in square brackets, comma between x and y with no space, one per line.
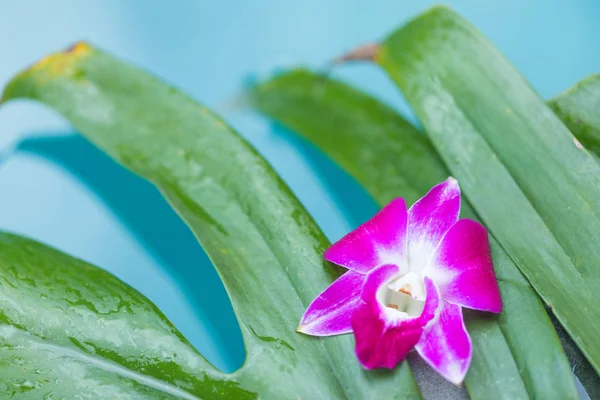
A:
[266,248]
[579,108]
[528,179]
[71,330]
[519,349]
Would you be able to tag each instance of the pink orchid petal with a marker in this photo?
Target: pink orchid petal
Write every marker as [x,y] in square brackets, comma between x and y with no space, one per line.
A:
[380,240]
[382,338]
[463,270]
[445,344]
[331,312]
[429,219]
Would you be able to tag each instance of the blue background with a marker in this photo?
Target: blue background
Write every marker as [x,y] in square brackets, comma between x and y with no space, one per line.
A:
[58,189]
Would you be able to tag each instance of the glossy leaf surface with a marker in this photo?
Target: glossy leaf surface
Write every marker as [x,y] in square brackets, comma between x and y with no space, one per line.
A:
[72,330]
[516,352]
[533,186]
[266,248]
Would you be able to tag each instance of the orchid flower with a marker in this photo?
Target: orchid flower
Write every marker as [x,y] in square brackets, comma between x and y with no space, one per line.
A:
[409,275]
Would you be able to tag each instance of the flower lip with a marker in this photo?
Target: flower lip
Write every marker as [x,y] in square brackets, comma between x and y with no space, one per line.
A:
[384,335]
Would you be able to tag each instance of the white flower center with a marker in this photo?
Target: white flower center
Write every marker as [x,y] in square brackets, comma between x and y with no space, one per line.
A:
[405,295]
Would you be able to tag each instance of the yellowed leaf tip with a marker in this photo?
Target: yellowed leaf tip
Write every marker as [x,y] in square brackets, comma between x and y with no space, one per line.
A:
[61,62]
[80,47]
[57,64]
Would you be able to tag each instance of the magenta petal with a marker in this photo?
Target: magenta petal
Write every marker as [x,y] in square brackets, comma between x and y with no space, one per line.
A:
[462,268]
[382,338]
[445,344]
[380,240]
[331,312]
[429,219]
